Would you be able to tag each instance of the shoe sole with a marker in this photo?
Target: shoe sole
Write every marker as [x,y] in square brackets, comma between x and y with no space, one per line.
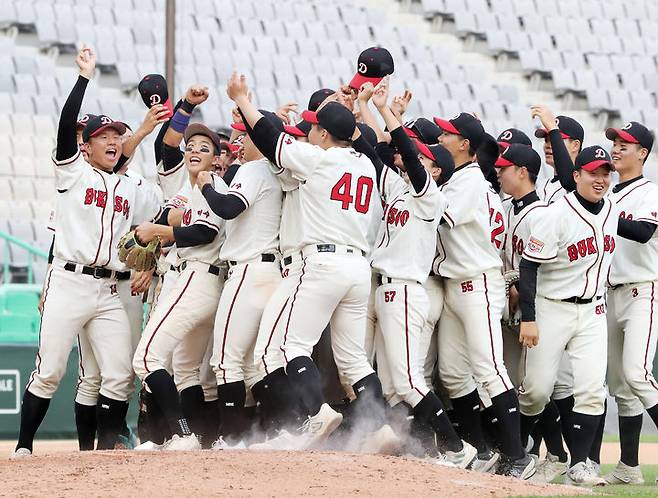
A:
[583,484]
[491,463]
[540,477]
[469,458]
[618,482]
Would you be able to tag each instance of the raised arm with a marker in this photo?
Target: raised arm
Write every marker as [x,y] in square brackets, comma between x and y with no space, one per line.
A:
[365,94]
[561,159]
[154,116]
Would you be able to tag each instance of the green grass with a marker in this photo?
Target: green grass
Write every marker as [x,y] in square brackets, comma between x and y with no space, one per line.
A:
[649,490]
[644,438]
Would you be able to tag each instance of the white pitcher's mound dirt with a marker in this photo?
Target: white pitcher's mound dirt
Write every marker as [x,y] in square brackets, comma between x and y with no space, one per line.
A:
[249,473]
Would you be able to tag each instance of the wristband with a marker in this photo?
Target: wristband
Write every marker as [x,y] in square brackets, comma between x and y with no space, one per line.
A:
[179,122]
[187,107]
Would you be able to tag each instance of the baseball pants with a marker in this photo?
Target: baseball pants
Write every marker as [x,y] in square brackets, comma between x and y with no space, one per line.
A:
[632,336]
[77,304]
[580,329]
[333,287]
[470,339]
[247,291]
[429,353]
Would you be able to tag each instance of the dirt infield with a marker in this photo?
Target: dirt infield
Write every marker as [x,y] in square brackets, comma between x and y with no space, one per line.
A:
[245,473]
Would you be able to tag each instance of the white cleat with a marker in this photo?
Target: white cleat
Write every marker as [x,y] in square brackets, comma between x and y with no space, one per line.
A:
[596,467]
[382,442]
[148,446]
[463,458]
[582,474]
[485,462]
[20,453]
[182,443]
[550,468]
[283,441]
[625,474]
[441,459]
[221,445]
[319,427]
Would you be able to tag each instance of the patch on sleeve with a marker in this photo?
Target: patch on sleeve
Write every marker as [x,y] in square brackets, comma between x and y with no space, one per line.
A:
[535,246]
[178,201]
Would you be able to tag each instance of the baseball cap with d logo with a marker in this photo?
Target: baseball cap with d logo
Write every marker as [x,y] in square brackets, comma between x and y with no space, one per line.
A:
[97,124]
[374,63]
[591,158]
[633,133]
[153,89]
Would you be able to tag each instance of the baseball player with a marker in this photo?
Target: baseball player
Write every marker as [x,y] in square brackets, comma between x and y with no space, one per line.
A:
[89,194]
[411,217]
[564,264]
[336,191]
[470,337]
[254,198]
[631,284]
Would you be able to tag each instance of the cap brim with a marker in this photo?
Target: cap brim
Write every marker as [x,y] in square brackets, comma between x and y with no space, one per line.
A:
[597,164]
[501,162]
[503,145]
[201,129]
[169,107]
[115,125]
[293,130]
[612,133]
[424,149]
[310,116]
[543,133]
[410,133]
[358,80]
[239,127]
[446,125]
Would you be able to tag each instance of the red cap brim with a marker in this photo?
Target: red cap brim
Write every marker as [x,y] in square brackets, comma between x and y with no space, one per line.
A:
[310,116]
[294,131]
[410,133]
[239,127]
[501,162]
[612,133]
[503,145]
[424,150]
[358,80]
[446,125]
[233,148]
[597,164]
[169,107]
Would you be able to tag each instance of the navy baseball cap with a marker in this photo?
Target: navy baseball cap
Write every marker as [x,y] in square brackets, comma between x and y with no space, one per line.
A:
[302,128]
[633,133]
[513,136]
[520,155]
[374,63]
[569,128]
[84,119]
[591,158]
[99,123]
[270,116]
[337,119]
[201,129]
[423,129]
[466,125]
[153,89]
[440,155]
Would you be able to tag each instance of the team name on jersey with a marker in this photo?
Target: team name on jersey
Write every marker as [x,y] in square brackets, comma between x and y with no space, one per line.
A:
[99,198]
[518,245]
[395,216]
[586,247]
[629,216]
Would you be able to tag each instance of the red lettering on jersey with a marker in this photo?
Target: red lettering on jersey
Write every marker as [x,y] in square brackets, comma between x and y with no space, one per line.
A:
[342,192]
[625,216]
[587,247]
[572,252]
[590,246]
[89,196]
[389,296]
[518,246]
[187,217]
[118,203]
[285,273]
[404,217]
[101,198]
[609,244]
[126,208]
[497,223]
[634,292]
[600,309]
[467,286]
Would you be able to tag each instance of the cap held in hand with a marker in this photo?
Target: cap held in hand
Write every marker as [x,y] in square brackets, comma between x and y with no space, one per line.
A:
[374,63]
[153,89]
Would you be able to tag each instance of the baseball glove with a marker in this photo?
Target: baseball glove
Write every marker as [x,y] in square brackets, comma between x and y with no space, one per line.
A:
[511,277]
[136,255]
[510,320]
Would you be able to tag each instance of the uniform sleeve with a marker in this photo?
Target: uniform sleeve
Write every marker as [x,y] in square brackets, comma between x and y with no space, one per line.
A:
[203,215]
[648,211]
[68,171]
[147,204]
[171,180]
[542,245]
[300,158]
[462,203]
[430,203]
[249,184]
[390,185]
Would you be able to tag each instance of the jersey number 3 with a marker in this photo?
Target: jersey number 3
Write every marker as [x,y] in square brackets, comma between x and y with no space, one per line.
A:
[342,192]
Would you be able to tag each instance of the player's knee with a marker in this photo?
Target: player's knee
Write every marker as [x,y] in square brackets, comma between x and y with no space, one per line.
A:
[637,377]
[590,402]
[533,396]
[628,405]
[457,384]
[87,391]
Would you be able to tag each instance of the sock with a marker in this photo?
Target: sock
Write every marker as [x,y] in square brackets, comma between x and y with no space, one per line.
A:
[210,423]
[110,414]
[231,399]
[653,413]
[466,410]
[552,432]
[565,407]
[85,424]
[33,410]
[166,396]
[535,434]
[595,451]
[528,425]
[430,411]
[191,402]
[305,380]
[490,427]
[583,430]
[506,406]
[629,439]
[280,407]
[369,408]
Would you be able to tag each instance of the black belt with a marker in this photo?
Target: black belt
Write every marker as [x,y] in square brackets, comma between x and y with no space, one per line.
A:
[287,260]
[97,272]
[332,248]
[211,268]
[388,280]
[265,258]
[579,300]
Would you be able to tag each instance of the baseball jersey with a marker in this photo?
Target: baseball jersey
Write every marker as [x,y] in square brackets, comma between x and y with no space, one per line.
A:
[255,231]
[550,190]
[519,224]
[633,261]
[197,212]
[336,191]
[94,209]
[173,180]
[574,247]
[470,239]
[179,201]
[407,236]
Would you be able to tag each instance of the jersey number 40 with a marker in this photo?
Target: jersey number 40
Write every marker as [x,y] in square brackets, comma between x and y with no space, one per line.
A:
[342,192]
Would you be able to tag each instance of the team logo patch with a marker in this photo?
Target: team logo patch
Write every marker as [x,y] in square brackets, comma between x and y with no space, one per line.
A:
[535,245]
[507,135]
[599,153]
[362,68]
[155,99]
[653,213]
[627,126]
[288,140]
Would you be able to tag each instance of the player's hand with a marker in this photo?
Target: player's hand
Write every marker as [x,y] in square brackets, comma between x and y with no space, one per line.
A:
[203,178]
[86,61]
[146,232]
[380,97]
[545,115]
[365,92]
[41,301]
[237,88]
[155,115]
[529,334]
[400,103]
[285,110]
[346,96]
[141,281]
[513,300]
[175,217]
[197,94]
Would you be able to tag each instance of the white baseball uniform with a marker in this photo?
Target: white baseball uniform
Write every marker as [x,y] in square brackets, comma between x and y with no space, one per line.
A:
[468,257]
[575,249]
[336,192]
[550,190]
[252,252]
[632,289]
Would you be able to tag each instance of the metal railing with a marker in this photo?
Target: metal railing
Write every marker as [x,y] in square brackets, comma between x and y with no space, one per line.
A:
[7,241]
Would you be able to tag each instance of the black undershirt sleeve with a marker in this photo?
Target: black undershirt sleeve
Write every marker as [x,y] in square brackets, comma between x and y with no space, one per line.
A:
[527,289]
[194,235]
[67,142]
[562,160]
[409,154]
[638,231]
[230,173]
[386,153]
[50,251]
[226,206]
[361,145]
[265,137]
[162,219]
[171,157]
[157,145]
